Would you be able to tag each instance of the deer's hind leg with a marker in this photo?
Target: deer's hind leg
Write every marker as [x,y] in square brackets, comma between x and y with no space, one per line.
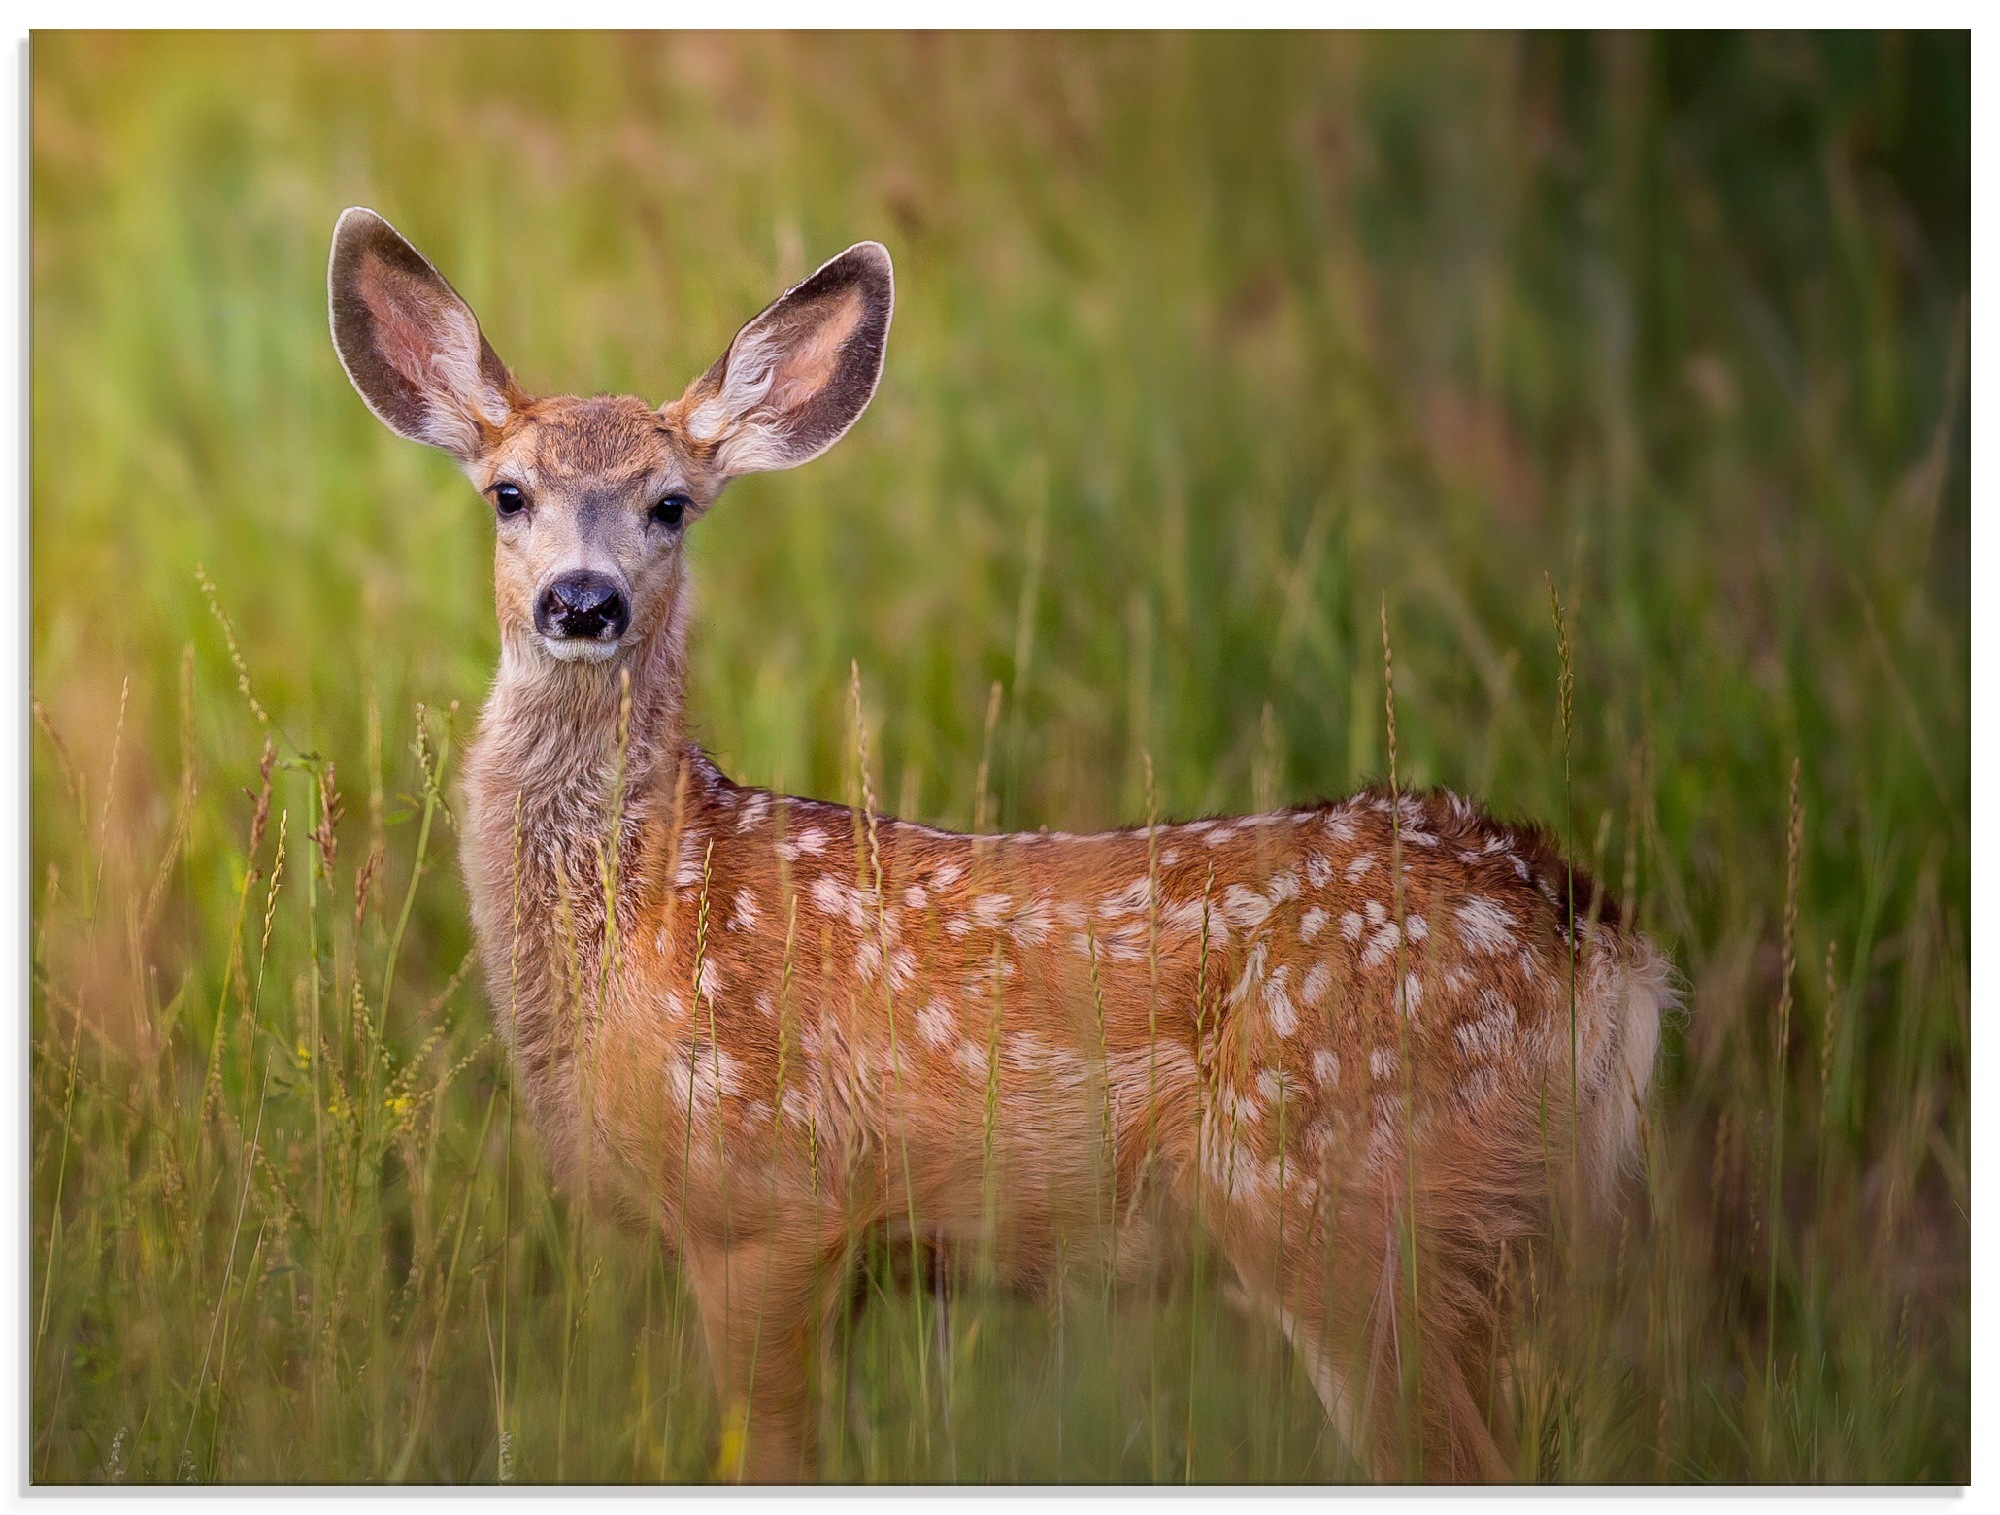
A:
[1447,1339]
[1341,1295]
[1315,1282]
[763,1309]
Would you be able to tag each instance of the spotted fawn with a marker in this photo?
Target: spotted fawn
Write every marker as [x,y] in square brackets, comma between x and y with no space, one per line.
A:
[1346,1044]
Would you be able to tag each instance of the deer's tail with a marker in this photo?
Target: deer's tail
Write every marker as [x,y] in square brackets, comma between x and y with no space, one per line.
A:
[1629,988]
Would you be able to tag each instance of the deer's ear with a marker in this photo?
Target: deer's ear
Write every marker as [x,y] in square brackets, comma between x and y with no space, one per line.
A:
[410,345]
[796,377]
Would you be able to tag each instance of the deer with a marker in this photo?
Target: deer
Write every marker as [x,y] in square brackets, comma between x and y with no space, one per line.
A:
[1343,1041]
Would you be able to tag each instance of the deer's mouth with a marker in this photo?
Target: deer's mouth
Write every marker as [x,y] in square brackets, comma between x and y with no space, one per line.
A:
[580,649]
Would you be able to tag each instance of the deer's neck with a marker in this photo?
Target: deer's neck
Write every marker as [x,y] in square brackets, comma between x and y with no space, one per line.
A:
[570,785]
[569,743]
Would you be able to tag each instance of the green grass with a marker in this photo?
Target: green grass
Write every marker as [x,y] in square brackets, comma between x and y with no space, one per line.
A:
[1205,351]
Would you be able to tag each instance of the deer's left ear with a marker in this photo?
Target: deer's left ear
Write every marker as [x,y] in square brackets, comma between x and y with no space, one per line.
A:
[799,374]
[410,345]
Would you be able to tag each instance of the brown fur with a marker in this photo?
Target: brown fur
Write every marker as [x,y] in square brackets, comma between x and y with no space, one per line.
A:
[764,1025]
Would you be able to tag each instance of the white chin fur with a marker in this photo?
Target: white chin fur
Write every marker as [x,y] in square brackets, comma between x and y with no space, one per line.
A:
[571,650]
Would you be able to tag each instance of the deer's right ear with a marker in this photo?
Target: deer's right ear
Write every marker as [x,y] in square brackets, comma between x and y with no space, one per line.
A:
[411,346]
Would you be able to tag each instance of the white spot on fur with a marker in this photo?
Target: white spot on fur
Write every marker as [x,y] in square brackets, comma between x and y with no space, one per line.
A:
[936,1024]
[1319,872]
[1484,926]
[754,813]
[1311,924]
[1359,864]
[1318,981]
[1278,1009]
[1244,907]
[808,843]
[1127,943]
[1133,897]
[1230,1168]
[1492,1034]
[1031,925]
[1381,945]
[692,853]
[989,910]
[838,899]
[972,1058]
[1253,970]
[1351,926]
[715,1074]
[1326,1069]
[1239,1105]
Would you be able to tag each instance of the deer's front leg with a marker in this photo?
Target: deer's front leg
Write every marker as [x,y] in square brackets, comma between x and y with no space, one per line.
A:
[763,1305]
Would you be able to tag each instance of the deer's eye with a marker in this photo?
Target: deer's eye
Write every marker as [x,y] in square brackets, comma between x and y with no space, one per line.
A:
[508,499]
[670,510]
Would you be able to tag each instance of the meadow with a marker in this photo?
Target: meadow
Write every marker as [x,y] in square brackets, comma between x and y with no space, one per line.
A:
[1212,357]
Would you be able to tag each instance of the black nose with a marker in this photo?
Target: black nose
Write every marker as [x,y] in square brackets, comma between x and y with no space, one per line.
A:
[583,606]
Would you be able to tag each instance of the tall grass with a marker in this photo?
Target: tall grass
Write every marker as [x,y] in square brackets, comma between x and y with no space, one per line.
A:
[1210,355]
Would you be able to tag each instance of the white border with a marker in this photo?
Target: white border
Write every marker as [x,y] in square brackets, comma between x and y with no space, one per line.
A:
[14,861]
[1983,690]
[14,897]
[647,15]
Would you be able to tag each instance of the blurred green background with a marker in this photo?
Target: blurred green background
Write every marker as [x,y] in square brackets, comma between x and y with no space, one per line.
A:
[1208,351]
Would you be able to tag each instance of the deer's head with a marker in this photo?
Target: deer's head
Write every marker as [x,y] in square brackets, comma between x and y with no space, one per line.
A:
[592,498]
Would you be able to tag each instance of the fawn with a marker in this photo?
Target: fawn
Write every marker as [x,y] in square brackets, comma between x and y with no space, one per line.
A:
[1342,1039]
